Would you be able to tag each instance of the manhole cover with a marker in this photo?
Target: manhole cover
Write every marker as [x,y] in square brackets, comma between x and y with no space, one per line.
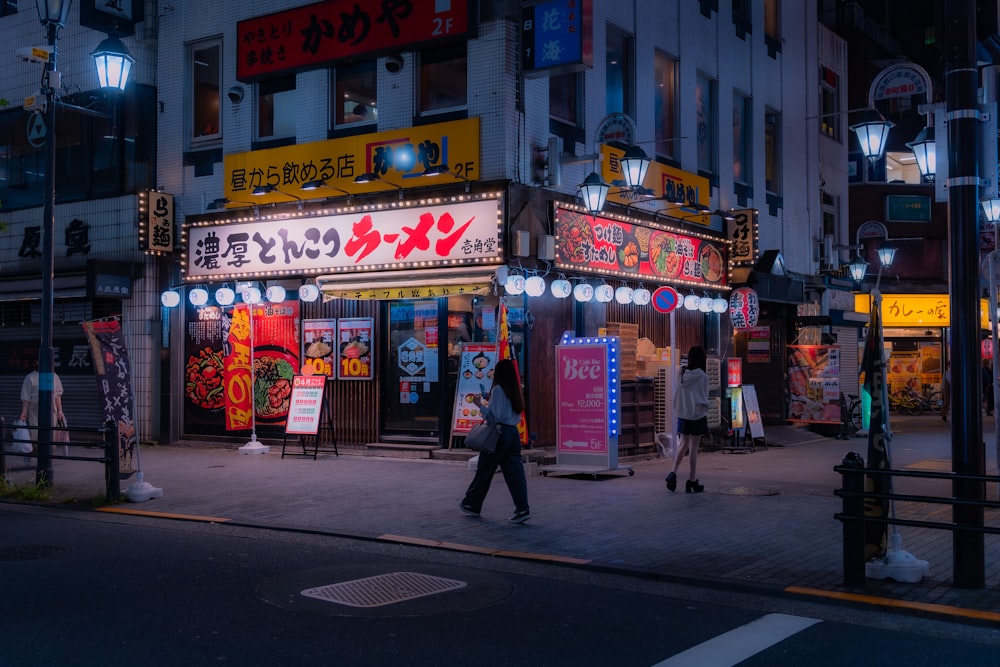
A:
[750,491]
[384,589]
[30,552]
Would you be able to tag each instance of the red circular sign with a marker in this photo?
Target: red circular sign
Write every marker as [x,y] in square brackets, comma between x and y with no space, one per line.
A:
[665,299]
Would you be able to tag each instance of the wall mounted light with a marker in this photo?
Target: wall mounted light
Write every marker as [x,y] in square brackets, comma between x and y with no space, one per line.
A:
[623,295]
[641,296]
[561,288]
[308,292]
[198,296]
[514,285]
[692,301]
[224,296]
[583,292]
[170,298]
[925,150]
[872,133]
[594,192]
[719,305]
[370,177]
[276,293]
[705,304]
[604,293]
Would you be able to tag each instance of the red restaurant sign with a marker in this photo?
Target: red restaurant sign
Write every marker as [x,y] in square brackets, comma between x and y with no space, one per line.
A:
[323,32]
[603,245]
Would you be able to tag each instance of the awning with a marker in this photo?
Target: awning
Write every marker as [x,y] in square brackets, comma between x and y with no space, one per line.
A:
[413,284]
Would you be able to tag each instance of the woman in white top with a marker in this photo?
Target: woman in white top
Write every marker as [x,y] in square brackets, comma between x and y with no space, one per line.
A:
[691,410]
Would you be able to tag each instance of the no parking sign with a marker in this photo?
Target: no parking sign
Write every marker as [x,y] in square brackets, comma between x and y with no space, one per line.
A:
[665,299]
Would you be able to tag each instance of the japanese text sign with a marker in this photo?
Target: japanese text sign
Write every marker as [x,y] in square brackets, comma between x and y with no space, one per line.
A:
[398,157]
[323,32]
[904,310]
[156,222]
[457,233]
[582,397]
[354,337]
[304,408]
[605,245]
[674,185]
[557,36]
[742,233]
[318,349]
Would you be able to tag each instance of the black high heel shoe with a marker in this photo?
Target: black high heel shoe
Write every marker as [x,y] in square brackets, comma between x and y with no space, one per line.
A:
[672,481]
[692,486]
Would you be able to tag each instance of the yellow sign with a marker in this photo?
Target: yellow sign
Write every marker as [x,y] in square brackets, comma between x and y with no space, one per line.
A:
[398,158]
[669,184]
[917,310]
[412,292]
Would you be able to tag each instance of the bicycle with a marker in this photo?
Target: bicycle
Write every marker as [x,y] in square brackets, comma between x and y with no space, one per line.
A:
[908,401]
[854,411]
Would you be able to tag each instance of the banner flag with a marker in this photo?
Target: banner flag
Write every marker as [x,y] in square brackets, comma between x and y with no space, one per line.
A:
[114,380]
[873,365]
[506,351]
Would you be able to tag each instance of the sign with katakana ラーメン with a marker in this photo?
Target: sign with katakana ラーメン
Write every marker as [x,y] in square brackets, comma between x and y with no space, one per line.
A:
[418,236]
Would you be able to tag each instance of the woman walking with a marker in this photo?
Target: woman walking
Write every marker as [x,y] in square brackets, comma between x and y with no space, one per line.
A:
[505,407]
[691,410]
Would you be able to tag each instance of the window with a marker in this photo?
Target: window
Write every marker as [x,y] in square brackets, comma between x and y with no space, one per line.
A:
[772,27]
[704,95]
[742,146]
[741,17]
[565,93]
[205,76]
[829,103]
[772,151]
[619,73]
[355,94]
[444,82]
[665,104]
[276,108]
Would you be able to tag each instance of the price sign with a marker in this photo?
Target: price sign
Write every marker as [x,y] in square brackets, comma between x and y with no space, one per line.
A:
[305,405]
[354,336]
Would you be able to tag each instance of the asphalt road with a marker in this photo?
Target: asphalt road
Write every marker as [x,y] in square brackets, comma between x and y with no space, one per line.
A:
[82,588]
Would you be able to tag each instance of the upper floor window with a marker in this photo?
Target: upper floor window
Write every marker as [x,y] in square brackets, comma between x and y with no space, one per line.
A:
[704,95]
[355,94]
[742,146]
[565,95]
[772,26]
[276,108]
[772,151]
[444,79]
[665,105]
[829,103]
[742,19]
[204,65]
[619,72]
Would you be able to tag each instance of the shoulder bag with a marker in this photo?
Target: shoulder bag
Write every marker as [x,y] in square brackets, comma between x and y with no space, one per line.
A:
[483,437]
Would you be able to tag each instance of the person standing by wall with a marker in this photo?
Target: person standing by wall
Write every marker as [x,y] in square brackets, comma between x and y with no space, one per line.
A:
[691,410]
[504,407]
[29,401]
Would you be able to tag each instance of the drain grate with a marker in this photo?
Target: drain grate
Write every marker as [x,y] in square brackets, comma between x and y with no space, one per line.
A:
[30,552]
[383,589]
[749,491]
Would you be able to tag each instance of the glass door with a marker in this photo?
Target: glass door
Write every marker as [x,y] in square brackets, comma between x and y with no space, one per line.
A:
[413,388]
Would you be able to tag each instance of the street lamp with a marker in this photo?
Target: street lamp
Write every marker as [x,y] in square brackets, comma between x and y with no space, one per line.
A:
[872,133]
[52,14]
[924,149]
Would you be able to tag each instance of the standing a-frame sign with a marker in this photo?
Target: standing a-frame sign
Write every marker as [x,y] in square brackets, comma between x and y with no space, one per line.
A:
[306,408]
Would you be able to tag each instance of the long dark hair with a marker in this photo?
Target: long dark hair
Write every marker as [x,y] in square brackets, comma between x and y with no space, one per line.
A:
[505,377]
[696,358]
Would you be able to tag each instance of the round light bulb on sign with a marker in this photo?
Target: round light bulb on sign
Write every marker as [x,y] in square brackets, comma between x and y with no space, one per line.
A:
[561,288]
[308,293]
[604,293]
[225,296]
[583,292]
[514,284]
[623,295]
[198,296]
[534,286]
[170,299]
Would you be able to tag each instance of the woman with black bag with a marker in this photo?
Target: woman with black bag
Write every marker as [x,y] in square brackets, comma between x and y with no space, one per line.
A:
[504,407]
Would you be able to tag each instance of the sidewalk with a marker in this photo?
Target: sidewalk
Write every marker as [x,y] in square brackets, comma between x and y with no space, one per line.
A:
[764,521]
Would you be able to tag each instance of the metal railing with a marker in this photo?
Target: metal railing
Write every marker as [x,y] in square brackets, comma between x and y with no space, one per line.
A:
[79,438]
[852,515]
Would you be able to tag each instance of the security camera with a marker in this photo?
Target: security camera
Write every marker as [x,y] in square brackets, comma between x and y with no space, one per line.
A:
[393,63]
[235,94]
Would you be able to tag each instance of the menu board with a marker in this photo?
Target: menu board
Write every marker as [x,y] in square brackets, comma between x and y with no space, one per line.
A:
[318,349]
[814,383]
[475,378]
[752,407]
[306,404]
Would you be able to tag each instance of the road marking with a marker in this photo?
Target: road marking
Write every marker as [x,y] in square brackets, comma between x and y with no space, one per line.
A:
[737,645]
[931,607]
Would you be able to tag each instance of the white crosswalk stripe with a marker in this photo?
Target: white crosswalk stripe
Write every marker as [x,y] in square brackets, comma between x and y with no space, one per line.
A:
[737,645]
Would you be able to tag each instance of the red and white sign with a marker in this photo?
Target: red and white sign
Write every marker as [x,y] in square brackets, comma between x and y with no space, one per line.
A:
[582,399]
[354,338]
[306,404]
[421,236]
[734,372]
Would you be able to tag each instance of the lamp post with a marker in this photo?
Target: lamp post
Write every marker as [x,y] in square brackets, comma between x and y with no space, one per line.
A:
[53,14]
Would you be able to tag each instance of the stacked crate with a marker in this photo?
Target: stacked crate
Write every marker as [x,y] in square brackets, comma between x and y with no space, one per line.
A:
[628,342]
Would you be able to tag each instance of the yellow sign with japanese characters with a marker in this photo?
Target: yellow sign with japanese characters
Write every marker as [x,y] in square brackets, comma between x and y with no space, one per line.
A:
[917,310]
[674,192]
[396,159]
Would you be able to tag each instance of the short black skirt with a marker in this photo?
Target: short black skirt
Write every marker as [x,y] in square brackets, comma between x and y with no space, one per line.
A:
[693,426]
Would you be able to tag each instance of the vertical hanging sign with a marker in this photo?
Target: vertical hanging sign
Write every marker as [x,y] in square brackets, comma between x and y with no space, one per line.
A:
[114,379]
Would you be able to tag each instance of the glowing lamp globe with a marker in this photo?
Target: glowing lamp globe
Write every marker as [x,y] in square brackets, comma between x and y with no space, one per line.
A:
[744,308]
